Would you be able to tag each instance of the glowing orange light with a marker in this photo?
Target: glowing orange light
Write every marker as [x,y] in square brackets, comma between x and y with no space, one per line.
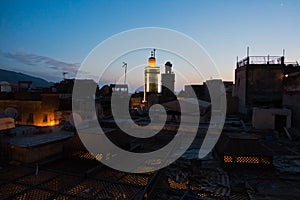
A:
[228,159]
[52,123]
[151,62]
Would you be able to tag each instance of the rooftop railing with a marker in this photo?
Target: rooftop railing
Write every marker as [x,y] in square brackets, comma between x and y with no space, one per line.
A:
[259,60]
[294,64]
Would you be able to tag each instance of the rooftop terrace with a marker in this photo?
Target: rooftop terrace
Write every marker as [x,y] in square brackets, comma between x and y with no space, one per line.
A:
[261,60]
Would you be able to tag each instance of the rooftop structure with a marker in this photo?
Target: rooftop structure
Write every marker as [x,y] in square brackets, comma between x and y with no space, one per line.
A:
[119,88]
[260,60]
[168,79]
[258,82]
[291,95]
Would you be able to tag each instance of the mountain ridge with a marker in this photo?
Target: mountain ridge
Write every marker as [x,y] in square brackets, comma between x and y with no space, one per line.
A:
[15,77]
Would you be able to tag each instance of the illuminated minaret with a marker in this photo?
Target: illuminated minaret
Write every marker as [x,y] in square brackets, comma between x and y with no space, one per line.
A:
[152,76]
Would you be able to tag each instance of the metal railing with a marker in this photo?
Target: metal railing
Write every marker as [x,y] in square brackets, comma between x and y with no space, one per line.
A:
[261,60]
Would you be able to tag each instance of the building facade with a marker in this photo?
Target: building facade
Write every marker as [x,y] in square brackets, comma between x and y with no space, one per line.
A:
[258,82]
[152,76]
[291,95]
[36,112]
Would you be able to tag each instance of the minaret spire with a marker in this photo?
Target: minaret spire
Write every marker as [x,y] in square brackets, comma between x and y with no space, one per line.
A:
[152,60]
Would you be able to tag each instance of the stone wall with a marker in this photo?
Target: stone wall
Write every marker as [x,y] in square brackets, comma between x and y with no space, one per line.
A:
[258,85]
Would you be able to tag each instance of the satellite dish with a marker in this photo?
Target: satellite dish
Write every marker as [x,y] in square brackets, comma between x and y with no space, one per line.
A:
[11,112]
[74,118]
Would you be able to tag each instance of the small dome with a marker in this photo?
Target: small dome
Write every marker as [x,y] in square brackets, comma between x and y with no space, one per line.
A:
[168,64]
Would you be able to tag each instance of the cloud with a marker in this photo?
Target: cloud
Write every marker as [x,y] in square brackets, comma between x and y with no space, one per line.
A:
[33,64]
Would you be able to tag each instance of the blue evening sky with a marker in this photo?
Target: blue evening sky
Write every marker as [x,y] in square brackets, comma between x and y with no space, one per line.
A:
[66,31]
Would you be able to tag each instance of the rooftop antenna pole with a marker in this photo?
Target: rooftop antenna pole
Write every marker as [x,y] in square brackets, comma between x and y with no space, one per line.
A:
[125,65]
[154,52]
[283,52]
[247,51]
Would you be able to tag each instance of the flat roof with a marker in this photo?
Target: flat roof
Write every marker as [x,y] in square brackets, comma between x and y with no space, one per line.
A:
[39,139]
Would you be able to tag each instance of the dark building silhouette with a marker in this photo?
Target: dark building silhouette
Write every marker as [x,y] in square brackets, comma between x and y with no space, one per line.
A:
[104,97]
[258,82]
[201,91]
[291,95]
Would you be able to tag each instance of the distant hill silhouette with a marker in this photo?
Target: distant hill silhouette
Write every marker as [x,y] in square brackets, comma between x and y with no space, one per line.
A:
[14,77]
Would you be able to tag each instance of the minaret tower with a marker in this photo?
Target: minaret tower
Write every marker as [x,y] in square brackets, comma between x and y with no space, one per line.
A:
[152,76]
[167,79]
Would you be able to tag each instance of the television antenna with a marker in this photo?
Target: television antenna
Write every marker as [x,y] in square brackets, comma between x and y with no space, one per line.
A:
[125,66]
